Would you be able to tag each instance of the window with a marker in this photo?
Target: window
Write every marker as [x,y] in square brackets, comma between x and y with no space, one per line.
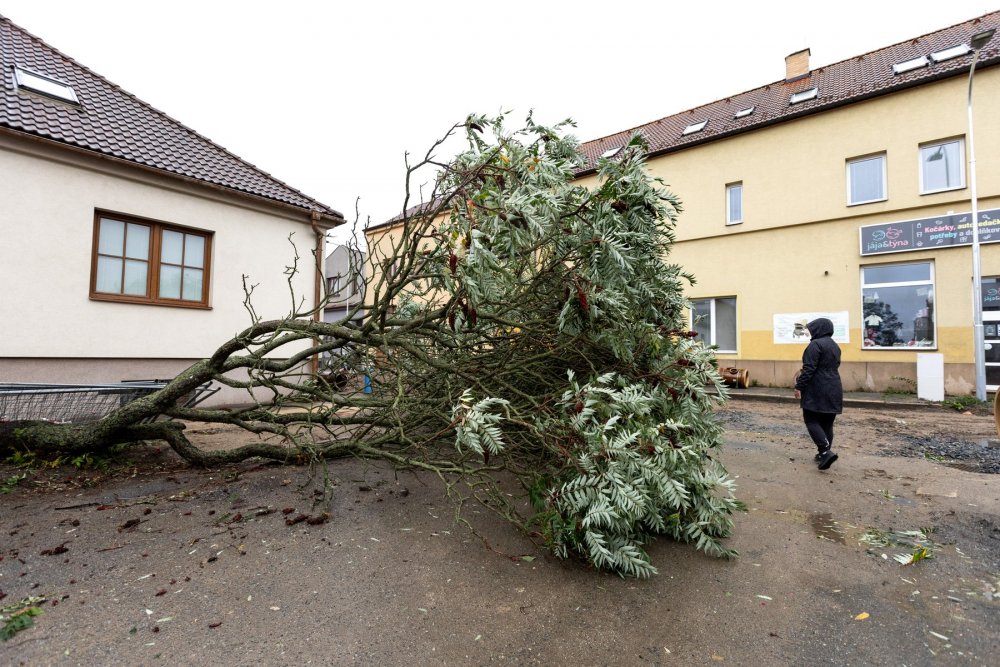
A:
[734,203]
[991,294]
[866,180]
[141,261]
[694,127]
[45,85]
[991,329]
[715,322]
[942,166]
[803,96]
[743,113]
[897,304]
[951,52]
[912,64]
[333,285]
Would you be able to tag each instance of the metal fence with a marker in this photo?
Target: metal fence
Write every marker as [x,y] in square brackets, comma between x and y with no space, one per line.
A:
[80,403]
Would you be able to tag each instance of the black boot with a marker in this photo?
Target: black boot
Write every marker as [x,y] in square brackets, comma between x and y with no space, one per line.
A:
[826,459]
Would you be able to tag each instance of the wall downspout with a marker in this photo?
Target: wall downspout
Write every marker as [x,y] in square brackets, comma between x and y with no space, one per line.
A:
[314,218]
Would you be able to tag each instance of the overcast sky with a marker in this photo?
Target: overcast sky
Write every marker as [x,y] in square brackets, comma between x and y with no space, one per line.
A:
[329,96]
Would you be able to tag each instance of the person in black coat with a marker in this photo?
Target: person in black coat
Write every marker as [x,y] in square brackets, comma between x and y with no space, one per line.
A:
[819,388]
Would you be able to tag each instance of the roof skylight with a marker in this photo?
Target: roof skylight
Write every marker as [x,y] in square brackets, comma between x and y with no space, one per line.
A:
[611,152]
[694,127]
[803,95]
[45,85]
[913,63]
[743,113]
[951,52]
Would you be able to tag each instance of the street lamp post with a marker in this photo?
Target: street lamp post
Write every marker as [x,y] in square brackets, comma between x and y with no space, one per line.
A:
[977,42]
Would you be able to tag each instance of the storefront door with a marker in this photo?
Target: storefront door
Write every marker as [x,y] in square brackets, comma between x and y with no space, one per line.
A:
[991,331]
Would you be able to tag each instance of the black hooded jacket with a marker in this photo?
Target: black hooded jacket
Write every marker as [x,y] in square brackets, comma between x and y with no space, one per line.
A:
[819,379]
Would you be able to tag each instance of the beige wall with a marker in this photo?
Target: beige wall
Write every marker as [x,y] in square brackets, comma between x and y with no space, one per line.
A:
[45,259]
[798,247]
[795,172]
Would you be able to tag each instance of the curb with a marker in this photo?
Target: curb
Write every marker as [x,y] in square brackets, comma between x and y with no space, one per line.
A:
[863,403]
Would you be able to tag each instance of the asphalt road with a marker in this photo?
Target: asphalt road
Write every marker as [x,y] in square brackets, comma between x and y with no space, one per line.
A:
[157,569]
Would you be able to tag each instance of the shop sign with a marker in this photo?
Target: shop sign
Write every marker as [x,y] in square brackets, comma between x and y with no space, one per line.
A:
[791,327]
[944,231]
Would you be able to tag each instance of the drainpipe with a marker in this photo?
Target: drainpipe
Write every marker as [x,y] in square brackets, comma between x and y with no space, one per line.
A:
[314,218]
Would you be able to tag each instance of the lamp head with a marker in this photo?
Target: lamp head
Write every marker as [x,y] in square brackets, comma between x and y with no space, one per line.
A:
[980,39]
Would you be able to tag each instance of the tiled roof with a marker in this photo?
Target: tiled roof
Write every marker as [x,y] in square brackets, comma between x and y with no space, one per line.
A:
[112,122]
[846,82]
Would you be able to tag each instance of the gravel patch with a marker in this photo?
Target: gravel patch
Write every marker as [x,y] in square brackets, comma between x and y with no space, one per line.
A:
[974,456]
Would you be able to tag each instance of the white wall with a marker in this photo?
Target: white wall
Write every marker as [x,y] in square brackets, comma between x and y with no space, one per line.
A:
[47,206]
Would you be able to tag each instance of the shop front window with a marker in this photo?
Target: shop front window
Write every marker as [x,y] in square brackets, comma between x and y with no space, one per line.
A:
[991,330]
[991,294]
[897,303]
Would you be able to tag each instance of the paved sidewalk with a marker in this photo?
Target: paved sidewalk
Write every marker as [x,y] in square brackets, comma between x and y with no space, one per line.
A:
[853,399]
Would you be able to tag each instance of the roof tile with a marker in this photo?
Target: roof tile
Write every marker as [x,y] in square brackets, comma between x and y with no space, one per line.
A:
[848,81]
[110,121]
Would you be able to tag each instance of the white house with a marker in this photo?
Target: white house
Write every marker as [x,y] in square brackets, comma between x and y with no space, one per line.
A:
[126,236]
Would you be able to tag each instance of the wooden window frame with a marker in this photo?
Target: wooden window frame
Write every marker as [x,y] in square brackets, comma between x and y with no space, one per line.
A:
[156,229]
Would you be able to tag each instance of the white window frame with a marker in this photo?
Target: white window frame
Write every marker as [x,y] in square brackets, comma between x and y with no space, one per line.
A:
[333,285]
[905,283]
[47,86]
[730,188]
[694,127]
[713,320]
[950,52]
[961,164]
[911,64]
[885,187]
[803,96]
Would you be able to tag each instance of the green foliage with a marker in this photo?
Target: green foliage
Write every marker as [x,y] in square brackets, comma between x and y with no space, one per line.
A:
[541,281]
[22,459]
[918,543]
[962,403]
[476,427]
[19,616]
[81,461]
[640,466]
[9,484]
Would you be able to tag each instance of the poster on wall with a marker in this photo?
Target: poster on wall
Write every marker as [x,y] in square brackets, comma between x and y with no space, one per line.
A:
[790,328]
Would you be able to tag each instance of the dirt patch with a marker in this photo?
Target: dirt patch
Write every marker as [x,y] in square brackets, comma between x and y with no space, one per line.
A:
[938,434]
[150,562]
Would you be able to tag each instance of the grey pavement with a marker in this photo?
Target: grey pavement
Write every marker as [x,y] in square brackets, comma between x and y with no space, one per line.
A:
[852,399]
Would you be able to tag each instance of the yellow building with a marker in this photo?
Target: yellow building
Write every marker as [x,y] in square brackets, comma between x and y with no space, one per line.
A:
[843,190]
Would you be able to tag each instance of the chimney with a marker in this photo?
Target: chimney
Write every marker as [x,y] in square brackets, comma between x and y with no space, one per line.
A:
[796,65]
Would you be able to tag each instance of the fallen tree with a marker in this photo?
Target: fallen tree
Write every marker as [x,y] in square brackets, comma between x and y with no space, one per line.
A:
[517,326]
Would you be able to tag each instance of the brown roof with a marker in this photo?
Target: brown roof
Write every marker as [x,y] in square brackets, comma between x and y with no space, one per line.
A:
[112,122]
[846,82]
